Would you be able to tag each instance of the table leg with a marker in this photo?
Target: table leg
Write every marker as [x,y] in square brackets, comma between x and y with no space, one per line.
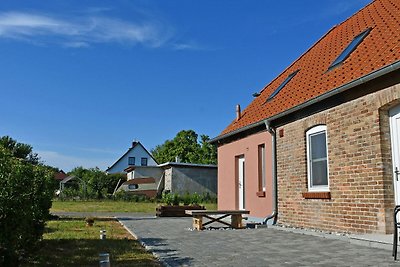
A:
[236,221]
[198,222]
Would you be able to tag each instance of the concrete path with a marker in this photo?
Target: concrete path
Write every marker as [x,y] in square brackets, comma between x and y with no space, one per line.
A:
[173,242]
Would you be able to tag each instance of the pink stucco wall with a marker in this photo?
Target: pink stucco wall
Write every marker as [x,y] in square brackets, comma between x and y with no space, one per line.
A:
[259,206]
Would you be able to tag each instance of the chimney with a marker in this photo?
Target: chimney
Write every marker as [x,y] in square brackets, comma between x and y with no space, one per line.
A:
[238,112]
[134,143]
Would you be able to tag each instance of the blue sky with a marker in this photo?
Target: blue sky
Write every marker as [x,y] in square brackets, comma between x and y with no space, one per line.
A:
[81,79]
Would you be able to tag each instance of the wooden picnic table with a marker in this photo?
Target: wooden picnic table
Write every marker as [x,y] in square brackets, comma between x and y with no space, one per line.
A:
[198,215]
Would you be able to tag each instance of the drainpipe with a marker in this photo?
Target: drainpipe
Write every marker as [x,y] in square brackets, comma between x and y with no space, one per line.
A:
[274,214]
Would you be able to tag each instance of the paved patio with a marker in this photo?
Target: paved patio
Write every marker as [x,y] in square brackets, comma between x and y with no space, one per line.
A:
[175,244]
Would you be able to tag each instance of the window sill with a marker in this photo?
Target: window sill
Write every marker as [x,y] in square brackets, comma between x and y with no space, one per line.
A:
[261,194]
[317,195]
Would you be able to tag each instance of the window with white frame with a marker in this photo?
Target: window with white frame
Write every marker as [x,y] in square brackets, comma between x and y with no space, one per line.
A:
[261,168]
[143,161]
[317,159]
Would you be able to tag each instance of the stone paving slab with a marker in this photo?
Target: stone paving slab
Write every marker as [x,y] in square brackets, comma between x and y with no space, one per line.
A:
[175,244]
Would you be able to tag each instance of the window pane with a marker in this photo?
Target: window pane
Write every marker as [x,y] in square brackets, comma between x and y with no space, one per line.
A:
[319,173]
[318,146]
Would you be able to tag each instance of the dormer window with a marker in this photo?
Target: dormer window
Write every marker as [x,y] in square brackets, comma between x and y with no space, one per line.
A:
[282,85]
[349,49]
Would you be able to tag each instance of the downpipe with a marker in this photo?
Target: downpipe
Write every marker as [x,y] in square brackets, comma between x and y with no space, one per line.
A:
[274,214]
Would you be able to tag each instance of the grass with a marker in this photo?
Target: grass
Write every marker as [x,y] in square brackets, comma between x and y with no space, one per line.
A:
[69,242]
[110,206]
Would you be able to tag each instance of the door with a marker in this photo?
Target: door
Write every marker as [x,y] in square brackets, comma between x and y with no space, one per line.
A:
[395,138]
[241,179]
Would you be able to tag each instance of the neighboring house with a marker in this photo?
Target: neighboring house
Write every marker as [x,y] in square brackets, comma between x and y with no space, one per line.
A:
[332,122]
[137,155]
[179,178]
[60,175]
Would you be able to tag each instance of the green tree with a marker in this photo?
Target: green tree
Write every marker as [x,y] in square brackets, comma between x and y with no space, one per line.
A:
[25,199]
[19,150]
[185,145]
[95,183]
[208,152]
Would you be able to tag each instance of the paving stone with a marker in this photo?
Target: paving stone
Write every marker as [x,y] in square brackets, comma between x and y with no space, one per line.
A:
[176,245]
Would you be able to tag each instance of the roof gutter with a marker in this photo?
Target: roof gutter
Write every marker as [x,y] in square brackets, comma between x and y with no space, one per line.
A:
[373,75]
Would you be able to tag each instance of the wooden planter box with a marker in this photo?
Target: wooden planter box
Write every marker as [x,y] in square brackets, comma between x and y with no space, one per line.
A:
[175,211]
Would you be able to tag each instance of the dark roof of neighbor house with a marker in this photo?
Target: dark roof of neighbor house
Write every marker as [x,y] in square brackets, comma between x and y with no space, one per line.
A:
[68,178]
[134,144]
[378,49]
[59,176]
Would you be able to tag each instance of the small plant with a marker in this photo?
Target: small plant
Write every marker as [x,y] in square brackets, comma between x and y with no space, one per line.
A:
[187,199]
[195,199]
[89,221]
[171,199]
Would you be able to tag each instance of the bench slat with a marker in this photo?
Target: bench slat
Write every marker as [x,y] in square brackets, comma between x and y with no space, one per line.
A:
[216,212]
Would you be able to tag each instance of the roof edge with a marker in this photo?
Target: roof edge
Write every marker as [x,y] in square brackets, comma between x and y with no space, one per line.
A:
[370,76]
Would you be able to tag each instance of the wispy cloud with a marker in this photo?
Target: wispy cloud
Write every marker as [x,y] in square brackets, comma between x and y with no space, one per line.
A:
[82,31]
[188,46]
[67,163]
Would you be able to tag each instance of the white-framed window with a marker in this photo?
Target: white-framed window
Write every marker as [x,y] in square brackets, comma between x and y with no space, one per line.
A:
[261,168]
[317,159]
[143,161]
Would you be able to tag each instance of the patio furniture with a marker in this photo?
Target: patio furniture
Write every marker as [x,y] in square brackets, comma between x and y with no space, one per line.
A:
[199,215]
[395,233]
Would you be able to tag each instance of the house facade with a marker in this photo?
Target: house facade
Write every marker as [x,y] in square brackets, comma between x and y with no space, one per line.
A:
[334,119]
[245,175]
[178,178]
[137,155]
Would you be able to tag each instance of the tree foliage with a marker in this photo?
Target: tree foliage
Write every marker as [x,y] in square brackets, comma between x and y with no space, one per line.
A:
[94,183]
[187,148]
[26,192]
[19,150]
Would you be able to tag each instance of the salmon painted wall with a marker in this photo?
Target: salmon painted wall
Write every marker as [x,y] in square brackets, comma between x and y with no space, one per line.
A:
[259,206]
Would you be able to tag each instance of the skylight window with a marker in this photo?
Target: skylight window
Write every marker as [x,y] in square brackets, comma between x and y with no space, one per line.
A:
[282,85]
[350,48]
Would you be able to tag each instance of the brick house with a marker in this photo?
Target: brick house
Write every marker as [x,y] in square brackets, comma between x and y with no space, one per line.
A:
[332,120]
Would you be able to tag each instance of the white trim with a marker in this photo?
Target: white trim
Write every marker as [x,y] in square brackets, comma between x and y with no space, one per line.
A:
[393,114]
[313,131]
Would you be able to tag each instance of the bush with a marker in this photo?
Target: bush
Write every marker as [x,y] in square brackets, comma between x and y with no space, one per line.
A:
[126,196]
[25,199]
[187,198]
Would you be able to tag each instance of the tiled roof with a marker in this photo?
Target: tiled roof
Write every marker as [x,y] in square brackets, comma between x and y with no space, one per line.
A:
[380,48]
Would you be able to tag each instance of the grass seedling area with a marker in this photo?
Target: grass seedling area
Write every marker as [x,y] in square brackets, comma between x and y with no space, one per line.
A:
[70,242]
[110,206]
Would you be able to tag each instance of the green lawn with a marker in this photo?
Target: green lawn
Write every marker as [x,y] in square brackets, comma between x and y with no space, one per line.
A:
[69,242]
[109,206]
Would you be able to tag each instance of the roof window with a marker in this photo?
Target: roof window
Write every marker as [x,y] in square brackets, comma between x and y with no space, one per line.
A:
[282,85]
[350,48]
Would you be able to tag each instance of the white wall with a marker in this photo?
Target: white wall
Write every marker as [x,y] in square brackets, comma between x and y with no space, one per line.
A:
[138,152]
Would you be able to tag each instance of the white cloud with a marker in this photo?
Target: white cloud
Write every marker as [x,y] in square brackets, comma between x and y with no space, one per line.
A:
[67,163]
[82,31]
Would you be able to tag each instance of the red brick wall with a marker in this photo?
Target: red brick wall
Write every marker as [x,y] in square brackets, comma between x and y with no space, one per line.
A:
[361,185]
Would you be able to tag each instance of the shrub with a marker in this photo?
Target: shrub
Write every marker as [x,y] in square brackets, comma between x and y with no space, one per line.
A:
[25,199]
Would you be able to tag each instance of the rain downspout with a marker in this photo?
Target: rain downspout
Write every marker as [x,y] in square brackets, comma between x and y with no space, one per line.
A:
[274,214]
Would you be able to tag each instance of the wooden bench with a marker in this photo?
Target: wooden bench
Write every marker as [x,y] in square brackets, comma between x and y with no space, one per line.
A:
[198,215]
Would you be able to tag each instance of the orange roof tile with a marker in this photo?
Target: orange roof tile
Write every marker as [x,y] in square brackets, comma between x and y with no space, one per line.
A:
[381,47]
